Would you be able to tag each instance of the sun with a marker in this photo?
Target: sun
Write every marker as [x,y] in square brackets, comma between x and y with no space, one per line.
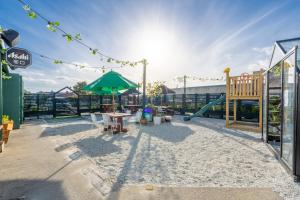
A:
[154,43]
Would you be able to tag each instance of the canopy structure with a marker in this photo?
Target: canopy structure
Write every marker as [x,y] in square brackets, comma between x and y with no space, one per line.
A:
[110,83]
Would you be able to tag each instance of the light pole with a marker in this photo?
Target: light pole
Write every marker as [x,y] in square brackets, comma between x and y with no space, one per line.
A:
[144,84]
[184,93]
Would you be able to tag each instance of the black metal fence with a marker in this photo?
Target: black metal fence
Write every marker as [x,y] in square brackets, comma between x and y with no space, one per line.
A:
[52,105]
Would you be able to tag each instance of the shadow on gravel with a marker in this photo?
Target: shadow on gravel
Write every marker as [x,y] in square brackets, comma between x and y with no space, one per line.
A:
[26,189]
[67,129]
[96,146]
[169,132]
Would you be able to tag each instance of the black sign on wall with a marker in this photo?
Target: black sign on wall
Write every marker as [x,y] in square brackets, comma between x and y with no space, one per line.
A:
[18,58]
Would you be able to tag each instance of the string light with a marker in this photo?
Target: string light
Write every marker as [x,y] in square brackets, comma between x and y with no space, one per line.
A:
[201,78]
[79,66]
[54,26]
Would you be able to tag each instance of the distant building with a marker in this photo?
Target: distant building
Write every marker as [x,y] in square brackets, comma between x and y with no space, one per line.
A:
[202,89]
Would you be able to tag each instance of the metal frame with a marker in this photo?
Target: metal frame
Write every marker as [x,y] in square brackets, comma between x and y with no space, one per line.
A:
[295,170]
[54,100]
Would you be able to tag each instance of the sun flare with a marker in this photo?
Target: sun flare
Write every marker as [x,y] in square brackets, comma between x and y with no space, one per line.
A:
[154,43]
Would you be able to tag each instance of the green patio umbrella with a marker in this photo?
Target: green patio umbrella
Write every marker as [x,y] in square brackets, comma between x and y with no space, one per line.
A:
[110,83]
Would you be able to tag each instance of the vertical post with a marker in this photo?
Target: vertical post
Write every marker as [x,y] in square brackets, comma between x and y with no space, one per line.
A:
[196,102]
[78,105]
[207,98]
[138,95]
[261,81]
[90,103]
[183,105]
[238,110]
[184,93]
[101,102]
[144,84]
[174,95]
[227,70]
[222,108]
[38,105]
[234,110]
[54,105]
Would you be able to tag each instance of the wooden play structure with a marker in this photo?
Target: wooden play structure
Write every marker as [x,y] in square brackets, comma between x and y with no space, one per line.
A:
[243,87]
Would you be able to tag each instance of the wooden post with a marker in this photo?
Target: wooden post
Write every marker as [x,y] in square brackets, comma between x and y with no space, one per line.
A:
[227,70]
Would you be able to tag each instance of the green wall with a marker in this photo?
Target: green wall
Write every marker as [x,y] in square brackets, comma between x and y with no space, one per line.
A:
[13,99]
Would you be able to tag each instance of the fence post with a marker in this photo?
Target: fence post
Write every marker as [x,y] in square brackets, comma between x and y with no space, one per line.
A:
[196,102]
[183,110]
[101,102]
[173,104]
[38,105]
[239,112]
[222,107]
[207,98]
[78,105]
[54,105]
[90,103]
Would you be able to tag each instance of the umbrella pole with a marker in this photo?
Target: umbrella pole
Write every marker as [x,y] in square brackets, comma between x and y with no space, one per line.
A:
[113,103]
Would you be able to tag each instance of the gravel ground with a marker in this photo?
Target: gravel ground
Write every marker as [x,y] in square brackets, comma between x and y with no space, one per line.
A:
[197,153]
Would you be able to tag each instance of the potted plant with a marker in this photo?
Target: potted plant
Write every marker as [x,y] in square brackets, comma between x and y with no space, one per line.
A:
[1,141]
[155,90]
[7,127]
[157,119]
[143,121]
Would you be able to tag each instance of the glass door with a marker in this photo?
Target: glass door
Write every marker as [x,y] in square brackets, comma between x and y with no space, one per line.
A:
[288,121]
[265,96]
[279,109]
[274,107]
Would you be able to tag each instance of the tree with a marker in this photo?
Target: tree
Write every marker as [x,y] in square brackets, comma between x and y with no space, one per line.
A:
[154,90]
[78,87]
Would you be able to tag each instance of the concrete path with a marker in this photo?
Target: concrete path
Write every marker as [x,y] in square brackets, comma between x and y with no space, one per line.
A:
[32,169]
[193,193]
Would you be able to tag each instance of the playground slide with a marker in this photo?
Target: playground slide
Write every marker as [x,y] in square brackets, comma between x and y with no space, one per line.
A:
[205,108]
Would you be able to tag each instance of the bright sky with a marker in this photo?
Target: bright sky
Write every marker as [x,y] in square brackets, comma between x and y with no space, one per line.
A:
[196,38]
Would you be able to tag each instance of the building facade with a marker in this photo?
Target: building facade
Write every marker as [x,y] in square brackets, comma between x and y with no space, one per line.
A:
[202,89]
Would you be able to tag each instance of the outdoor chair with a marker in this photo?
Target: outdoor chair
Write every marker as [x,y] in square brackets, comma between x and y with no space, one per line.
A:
[161,110]
[95,122]
[110,124]
[133,119]
[123,108]
[136,118]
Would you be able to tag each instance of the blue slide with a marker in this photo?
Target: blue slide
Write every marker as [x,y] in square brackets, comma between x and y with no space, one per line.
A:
[205,108]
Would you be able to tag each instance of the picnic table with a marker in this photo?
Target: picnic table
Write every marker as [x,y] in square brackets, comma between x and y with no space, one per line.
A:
[119,118]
